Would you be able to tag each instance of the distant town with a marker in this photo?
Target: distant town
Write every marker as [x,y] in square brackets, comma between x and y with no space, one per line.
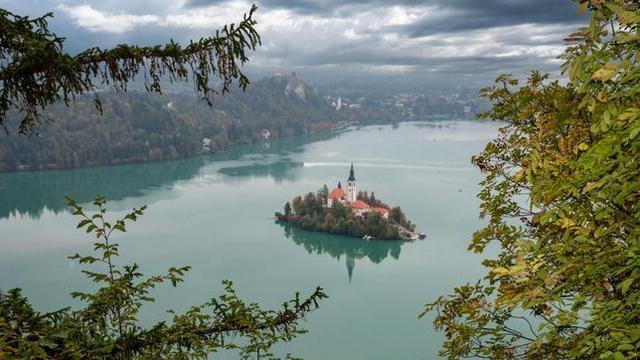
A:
[409,106]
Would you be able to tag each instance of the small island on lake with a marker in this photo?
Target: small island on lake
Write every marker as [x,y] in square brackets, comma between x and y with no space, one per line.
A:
[352,213]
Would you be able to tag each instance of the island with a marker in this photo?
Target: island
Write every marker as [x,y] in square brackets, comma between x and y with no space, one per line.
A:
[353,213]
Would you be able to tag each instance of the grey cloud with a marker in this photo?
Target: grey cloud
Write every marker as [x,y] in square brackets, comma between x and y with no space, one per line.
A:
[461,14]
[414,47]
[467,15]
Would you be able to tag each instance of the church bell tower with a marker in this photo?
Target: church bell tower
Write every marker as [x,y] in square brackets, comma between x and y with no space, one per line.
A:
[352,191]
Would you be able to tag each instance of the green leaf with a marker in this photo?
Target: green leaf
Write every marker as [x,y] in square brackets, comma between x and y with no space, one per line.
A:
[120,227]
[83,223]
[625,285]
[625,347]
[605,355]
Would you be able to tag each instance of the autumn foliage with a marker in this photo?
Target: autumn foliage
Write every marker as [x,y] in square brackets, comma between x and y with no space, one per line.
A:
[561,198]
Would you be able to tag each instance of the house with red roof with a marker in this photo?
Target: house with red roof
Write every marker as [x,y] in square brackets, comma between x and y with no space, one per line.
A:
[382,212]
[360,207]
[338,195]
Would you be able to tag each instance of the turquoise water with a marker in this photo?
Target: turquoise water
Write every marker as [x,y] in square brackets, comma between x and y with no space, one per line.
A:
[215,214]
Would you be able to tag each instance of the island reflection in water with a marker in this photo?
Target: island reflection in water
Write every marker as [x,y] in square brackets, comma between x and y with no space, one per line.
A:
[338,246]
[280,171]
[30,193]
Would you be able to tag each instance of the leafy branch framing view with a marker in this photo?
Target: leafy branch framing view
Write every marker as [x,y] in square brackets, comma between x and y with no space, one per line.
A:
[35,72]
[562,201]
[560,194]
[108,327]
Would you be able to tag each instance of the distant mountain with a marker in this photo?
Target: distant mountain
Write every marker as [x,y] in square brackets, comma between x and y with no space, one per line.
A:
[138,127]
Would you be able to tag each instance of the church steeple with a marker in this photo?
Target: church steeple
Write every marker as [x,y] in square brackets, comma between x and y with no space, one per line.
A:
[352,191]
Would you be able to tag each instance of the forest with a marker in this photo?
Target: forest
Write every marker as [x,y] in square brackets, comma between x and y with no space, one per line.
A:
[139,127]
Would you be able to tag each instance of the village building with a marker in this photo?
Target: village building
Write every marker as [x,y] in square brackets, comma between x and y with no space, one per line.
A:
[350,198]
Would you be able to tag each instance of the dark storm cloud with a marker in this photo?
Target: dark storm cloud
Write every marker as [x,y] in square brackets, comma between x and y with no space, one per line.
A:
[456,14]
[471,15]
[512,50]
[461,39]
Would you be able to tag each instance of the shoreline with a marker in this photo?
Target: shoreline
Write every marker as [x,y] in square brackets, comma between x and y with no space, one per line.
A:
[339,128]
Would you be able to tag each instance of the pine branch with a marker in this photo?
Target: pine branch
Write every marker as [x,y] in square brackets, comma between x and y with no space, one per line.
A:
[35,72]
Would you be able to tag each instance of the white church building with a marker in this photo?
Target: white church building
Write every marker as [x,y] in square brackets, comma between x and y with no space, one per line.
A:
[350,198]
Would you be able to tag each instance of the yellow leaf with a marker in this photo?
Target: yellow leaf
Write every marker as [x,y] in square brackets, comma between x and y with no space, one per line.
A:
[603,74]
[565,223]
[500,271]
[624,16]
[583,147]
[583,8]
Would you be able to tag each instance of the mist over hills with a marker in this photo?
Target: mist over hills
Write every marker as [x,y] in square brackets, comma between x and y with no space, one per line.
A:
[136,126]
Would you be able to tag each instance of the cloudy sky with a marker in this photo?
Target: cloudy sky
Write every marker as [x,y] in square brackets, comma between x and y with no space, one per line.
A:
[442,41]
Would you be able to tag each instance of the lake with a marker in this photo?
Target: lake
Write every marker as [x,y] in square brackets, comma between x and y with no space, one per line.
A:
[215,213]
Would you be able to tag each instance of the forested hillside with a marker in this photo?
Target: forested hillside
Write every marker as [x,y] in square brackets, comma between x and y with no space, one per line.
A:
[137,127]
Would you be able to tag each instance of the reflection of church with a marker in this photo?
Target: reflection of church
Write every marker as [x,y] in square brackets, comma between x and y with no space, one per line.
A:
[350,248]
[350,198]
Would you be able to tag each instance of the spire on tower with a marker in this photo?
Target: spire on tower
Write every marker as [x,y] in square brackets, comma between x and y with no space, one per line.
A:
[352,177]
[339,185]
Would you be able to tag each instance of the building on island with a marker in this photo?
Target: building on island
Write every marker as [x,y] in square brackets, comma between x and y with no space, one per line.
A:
[382,212]
[350,198]
[336,194]
[360,207]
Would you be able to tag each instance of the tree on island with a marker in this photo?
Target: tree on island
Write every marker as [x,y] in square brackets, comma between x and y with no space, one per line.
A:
[371,199]
[323,191]
[311,213]
[36,73]
[561,194]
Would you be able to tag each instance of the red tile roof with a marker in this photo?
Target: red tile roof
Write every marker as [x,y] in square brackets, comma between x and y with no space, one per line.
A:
[337,193]
[381,211]
[359,204]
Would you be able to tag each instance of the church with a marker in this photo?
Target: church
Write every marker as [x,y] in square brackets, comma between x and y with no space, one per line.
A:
[350,198]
